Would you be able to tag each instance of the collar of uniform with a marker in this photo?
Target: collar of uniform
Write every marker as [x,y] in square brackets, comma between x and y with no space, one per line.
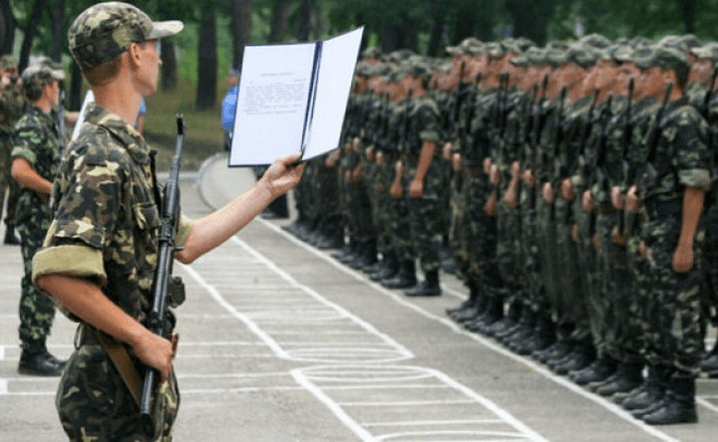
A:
[130,138]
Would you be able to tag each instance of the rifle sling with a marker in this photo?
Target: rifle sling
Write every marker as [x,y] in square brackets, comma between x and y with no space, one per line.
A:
[119,356]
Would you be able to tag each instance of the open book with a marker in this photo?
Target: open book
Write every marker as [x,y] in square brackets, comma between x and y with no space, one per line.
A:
[292,99]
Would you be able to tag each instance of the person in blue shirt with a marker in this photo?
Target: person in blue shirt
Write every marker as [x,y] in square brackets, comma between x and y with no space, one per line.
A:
[229,106]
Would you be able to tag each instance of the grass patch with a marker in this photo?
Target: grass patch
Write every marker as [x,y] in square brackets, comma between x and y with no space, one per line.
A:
[204,135]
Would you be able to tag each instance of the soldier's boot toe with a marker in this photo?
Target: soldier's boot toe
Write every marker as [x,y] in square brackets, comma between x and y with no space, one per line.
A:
[40,364]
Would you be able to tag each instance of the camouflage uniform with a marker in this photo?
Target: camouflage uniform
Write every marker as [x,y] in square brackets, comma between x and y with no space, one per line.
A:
[681,159]
[37,141]
[106,204]
[425,211]
[12,107]
[106,229]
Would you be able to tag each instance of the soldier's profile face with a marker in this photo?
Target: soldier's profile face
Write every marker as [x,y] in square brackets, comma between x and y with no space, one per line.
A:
[701,72]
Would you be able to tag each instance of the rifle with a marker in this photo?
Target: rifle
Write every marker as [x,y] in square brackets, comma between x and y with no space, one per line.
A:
[501,121]
[584,134]
[539,121]
[626,143]
[597,174]
[649,174]
[166,290]
[558,139]
[61,118]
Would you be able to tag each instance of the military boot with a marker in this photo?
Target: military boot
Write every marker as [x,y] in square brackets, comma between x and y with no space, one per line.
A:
[629,375]
[493,311]
[651,390]
[428,287]
[35,360]
[709,365]
[472,307]
[507,321]
[544,335]
[679,403]
[598,371]
[10,238]
[405,278]
[389,267]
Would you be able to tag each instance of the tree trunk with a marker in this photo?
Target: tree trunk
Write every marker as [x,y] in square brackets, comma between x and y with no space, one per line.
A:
[395,37]
[306,26]
[30,28]
[169,65]
[58,39]
[241,29]
[7,27]
[436,41]
[280,21]
[207,63]
[530,18]
[688,13]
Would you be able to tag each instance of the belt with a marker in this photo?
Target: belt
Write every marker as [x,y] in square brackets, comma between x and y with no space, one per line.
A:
[660,209]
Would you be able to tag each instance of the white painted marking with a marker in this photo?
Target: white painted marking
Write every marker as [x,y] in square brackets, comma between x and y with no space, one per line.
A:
[405,403]
[613,408]
[2,352]
[3,386]
[446,422]
[701,400]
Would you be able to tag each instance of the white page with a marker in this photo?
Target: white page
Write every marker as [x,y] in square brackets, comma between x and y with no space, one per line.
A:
[272,103]
[336,73]
[89,98]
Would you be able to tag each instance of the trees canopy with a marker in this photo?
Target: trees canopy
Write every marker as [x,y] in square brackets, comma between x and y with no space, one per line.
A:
[218,30]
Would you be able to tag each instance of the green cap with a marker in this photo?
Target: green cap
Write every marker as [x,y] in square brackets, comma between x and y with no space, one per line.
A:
[536,56]
[467,46]
[7,61]
[595,40]
[709,51]
[363,69]
[105,30]
[583,54]
[556,56]
[418,67]
[494,49]
[666,58]
[371,52]
[35,77]
[378,70]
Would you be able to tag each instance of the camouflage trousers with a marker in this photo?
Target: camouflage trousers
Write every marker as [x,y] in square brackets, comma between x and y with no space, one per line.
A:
[327,196]
[400,229]
[546,232]
[638,323]
[509,254]
[617,286]
[590,276]
[457,226]
[571,301]
[7,185]
[530,246]
[482,235]
[94,405]
[360,212]
[710,263]
[37,309]
[675,299]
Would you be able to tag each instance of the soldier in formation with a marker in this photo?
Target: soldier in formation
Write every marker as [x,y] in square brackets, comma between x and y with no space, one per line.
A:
[575,185]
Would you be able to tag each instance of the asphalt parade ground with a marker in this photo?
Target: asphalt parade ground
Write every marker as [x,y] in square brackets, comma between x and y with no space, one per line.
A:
[279,342]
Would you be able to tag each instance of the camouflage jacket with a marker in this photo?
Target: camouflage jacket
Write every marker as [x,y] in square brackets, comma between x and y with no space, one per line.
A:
[680,157]
[424,125]
[106,227]
[36,139]
[12,107]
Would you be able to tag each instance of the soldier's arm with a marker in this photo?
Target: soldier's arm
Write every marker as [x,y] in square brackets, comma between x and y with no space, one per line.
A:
[85,300]
[692,206]
[23,172]
[217,227]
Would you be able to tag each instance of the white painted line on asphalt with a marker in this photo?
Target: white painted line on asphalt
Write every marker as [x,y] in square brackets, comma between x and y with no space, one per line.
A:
[227,355]
[406,403]
[613,408]
[233,375]
[332,406]
[3,387]
[445,422]
[504,437]
[215,391]
[2,352]
[709,405]
[220,343]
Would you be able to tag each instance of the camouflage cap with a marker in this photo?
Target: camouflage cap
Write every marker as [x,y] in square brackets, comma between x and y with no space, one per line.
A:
[398,56]
[709,51]
[494,49]
[536,56]
[511,46]
[363,69]
[379,70]
[595,40]
[466,46]
[638,42]
[584,55]
[520,61]
[666,58]
[418,67]
[7,61]
[34,78]
[56,68]
[620,53]
[673,41]
[691,41]
[105,30]
[371,52]
[556,56]
[523,43]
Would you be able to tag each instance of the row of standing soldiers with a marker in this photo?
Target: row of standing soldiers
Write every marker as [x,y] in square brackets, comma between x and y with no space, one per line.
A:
[574,184]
